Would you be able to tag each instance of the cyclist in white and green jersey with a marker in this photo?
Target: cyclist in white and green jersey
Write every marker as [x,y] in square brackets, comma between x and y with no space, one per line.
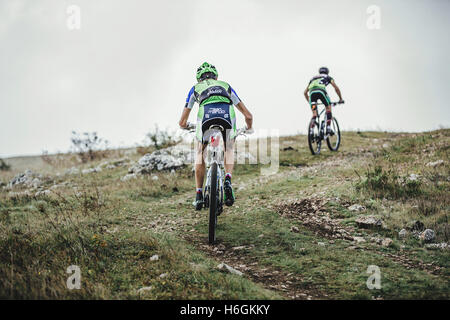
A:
[216,99]
[316,90]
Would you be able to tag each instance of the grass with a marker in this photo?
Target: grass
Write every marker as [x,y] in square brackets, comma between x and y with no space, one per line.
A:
[111,228]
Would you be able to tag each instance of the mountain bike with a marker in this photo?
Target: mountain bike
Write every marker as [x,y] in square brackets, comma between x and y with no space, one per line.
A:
[213,193]
[318,133]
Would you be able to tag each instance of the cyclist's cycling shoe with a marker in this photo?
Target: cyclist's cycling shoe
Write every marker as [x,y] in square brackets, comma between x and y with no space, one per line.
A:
[229,194]
[198,201]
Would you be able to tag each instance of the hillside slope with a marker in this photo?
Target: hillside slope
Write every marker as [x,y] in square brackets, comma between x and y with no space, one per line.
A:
[309,231]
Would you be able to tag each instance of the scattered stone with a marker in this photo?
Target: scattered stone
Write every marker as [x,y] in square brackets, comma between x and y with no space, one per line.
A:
[154,257]
[165,159]
[437,246]
[91,170]
[155,178]
[27,179]
[163,275]
[357,208]
[72,170]
[295,229]
[42,193]
[416,225]
[428,235]
[386,242]
[322,244]
[385,145]
[238,248]
[369,222]
[144,289]
[402,233]
[413,177]
[225,267]
[435,163]
[128,177]
[359,239]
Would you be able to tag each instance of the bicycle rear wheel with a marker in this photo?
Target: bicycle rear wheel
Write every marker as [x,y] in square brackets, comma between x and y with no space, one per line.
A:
[334,141]
[213,204]
[314,141]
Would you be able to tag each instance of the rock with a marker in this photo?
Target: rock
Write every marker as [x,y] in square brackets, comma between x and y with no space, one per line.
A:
[154,257]
[435,163]
[428,235]
[295,229]
[402,233]
[144,289]
[385,145]
[72,170]
[369,222]
[27,179]
[42,193]
[165,159]
[129,177]
[322,244]
[437,246]
[155,178]
[225,267]
[413,177]
[238,248]
[357,207]
[416,225]
[359,239]
[91,170]
[386,242]
[163,275]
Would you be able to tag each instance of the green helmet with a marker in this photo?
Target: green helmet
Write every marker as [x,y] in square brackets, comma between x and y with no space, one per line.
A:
[206,70]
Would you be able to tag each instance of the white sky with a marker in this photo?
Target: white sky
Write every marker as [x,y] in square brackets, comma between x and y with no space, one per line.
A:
[133,62]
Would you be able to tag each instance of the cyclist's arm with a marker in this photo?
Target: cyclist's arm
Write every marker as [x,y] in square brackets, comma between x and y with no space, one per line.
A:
[248,116]
[306,94]
[190,100]
[242,108]
[184,117]
[336,88]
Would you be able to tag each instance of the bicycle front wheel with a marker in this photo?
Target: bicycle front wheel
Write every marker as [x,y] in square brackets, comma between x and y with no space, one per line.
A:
[334,140]
[213,204]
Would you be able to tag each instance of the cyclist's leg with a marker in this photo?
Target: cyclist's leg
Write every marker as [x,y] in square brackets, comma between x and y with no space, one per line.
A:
[199,165]
[326,101]
[313,97]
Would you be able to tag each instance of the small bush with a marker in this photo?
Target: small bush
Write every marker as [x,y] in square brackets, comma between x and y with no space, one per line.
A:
[383,183]
[160,139]
[4,166]
[89,146]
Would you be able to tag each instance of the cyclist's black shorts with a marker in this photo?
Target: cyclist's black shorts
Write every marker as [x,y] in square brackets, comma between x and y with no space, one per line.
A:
[217,114]
[318,94]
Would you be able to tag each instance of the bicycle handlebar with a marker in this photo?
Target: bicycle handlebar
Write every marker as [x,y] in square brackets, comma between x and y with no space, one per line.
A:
[333,103]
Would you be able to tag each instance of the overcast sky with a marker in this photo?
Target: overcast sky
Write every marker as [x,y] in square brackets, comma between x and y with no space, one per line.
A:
[133,62]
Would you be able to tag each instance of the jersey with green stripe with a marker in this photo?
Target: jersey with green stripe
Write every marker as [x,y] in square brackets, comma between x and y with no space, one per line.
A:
[319,82]
[212,91]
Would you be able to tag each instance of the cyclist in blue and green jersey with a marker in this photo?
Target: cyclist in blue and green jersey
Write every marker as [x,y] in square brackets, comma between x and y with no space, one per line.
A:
[316,90]
[216,99]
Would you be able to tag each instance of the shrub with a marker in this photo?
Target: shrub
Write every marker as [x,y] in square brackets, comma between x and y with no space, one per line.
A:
[382,183]
[160,139]
[4,166]
[88,146]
